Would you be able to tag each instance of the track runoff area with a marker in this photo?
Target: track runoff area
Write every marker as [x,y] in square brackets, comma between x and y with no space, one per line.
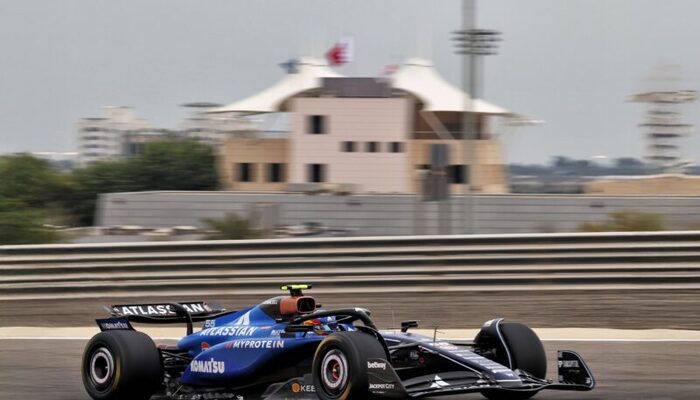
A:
[657,364]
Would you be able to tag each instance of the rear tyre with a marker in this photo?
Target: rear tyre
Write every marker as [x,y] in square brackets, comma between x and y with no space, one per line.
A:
[340,365]
[527,354]
[121,365]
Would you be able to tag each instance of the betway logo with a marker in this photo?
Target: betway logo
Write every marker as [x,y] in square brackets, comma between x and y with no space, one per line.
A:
[209,366]
[376,365]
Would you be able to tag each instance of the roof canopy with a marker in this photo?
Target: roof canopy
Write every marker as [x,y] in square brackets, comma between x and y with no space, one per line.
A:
[308,76]
[419,77]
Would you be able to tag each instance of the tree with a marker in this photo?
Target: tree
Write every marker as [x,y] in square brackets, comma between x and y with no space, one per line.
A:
[165,165]
[175,165]
[231,226]
[91,181]
[31,180]
[22,225]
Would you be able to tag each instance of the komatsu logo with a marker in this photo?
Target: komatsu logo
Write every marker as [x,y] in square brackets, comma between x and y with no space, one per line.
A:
[209,366]
[376,365]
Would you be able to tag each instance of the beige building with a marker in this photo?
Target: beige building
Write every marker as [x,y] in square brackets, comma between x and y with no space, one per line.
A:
[364,135]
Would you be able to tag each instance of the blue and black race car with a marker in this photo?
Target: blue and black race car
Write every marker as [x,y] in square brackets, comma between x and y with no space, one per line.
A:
[287,347]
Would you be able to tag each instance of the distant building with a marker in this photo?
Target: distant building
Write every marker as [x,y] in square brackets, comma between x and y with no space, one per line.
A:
[62,160]
[118,133]
[368,135]
[212,129]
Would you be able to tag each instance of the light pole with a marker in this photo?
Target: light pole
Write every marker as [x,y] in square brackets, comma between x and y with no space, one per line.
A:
[472,44]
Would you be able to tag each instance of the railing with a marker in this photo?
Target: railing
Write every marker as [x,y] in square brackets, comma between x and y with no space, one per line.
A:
[592,261]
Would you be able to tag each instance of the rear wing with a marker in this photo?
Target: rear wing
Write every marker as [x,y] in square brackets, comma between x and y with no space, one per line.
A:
[164,313]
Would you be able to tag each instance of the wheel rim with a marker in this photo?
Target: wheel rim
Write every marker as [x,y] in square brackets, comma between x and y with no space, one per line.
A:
[101,367]
[334,372]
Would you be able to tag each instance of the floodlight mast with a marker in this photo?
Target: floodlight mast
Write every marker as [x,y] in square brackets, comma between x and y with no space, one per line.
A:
[472,43]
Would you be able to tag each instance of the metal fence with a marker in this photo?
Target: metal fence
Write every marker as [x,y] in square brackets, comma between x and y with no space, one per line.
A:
[668,260]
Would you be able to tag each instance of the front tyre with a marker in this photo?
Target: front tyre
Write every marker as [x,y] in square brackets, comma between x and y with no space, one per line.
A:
[340,365]
[527,354]
[121,365]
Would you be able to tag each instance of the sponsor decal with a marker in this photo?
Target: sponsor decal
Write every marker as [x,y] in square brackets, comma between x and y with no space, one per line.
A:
[210,366]
[276,332]
[243,319]
[232,330]
[159,309]
[299,388]
[113,324]
[204,346]
[381,386]
[438,383]
[376,365]
[257,344]
[446,346]
[569,364]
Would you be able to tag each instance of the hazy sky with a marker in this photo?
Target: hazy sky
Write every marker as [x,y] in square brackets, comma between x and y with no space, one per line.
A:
[569,62]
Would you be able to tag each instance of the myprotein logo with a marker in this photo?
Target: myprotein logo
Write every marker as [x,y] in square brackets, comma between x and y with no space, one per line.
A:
[257,344]
[376,365]
[210,366]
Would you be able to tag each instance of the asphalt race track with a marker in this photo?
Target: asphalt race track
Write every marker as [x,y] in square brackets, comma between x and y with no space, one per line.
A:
[50,370]
[629,370]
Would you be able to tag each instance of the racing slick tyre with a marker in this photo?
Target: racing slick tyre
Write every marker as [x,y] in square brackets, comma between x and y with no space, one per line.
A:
[340,365]
[527,354]
[120,365]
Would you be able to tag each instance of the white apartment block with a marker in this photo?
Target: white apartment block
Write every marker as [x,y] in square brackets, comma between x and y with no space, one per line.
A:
[116,134]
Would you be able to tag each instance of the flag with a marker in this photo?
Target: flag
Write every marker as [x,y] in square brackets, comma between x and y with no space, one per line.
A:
[290,66]
[342,52]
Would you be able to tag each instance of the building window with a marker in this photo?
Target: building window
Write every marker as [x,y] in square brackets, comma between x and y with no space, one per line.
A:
[396,147]
[456,174]
[317,173]
[372,147]
[317,124]
[245,172]
[275,172]
[348,147]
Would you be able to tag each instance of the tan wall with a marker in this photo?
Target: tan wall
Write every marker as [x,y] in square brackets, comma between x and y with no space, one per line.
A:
[259,152]
[661,185]
[361,120]
[488,175]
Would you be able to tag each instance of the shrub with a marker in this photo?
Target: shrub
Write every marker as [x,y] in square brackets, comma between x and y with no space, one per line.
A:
[623,221]
[230,226]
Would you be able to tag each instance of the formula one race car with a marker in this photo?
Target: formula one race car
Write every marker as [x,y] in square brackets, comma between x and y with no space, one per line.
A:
[287,347]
